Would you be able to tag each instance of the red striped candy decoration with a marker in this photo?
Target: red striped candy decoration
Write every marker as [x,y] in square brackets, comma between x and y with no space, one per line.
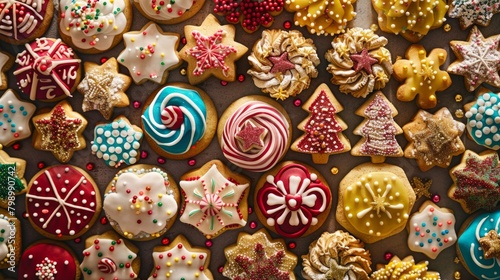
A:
[107,265]
[172,117]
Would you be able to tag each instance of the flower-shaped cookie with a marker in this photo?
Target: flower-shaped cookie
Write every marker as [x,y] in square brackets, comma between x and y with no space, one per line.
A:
[283,63]
[150,53]
[15,116]
[478,59]
[103,87]
[12,177]
[483,119]
[471,12]
[421,76]
[359,63]
[405,269]
[433,139]
[413,19]
[322,17]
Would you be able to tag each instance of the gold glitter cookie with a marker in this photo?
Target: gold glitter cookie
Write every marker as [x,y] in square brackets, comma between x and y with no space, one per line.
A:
[404,269]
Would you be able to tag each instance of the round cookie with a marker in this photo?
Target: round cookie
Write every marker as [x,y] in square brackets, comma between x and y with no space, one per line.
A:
[483,119]
[141,202]
[46,259]
[214,199]
[254,133]
[48,70]
[283,63]
[15,116]
[106,256]
[292,199]
[94,26]
[179,120]
[10,240]
[375,201]
[168,12]
[62,202]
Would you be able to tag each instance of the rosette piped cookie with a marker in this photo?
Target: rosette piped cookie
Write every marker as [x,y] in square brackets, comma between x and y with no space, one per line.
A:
[179,121]
[283,63]
[359,62]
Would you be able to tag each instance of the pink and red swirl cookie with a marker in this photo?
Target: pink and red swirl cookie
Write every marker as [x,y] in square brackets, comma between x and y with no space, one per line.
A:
[48,259]
[254,133]
[62,202]
[10,239]
[106,256]
[22,21]
[48,70]
[214,199]
[292,199]
[168,12]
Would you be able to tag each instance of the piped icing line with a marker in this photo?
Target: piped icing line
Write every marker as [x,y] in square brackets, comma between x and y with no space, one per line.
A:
[175,139]
[46,260]
[483,120]
[108,258]
[292,200]
[20,19]
[275,142]
[92,23]
[164,10]
[140,202]
[212,202]
[47,69]
[470,250]
[62,201]
[117,142]
[15,118]
[432,230]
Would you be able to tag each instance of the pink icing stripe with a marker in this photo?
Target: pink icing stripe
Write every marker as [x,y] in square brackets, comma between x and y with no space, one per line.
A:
[275,142]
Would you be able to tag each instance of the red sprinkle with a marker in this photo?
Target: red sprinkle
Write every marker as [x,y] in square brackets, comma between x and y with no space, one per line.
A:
[436,198]
[165,241]
[250,210]
[287,24]
[220,269]
[104,220]
[90,166]
[191,162]
[161,160]
[297,102]
[208,243]
[241,78]
[388,256]
[253,225]
[144,154]
[103,59]
[136,104]
[77,240]
[41,165]
[292,245]
[223,83]
[16,146]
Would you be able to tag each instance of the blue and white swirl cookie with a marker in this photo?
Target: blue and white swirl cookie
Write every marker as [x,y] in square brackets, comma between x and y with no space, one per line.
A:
[179,121]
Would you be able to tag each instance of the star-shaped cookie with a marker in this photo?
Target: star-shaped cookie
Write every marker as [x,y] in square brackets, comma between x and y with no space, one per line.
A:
[433,139]
[104,88]
[15,116]
[490,244]
[211,50]
[11,175]
[478,59]
[150,53]
[471,12]
[59,131]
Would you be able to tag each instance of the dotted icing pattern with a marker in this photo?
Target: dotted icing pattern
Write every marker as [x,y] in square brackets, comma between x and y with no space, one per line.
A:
[470,250]
[108,259]
[46,260]
[164,9]
[483,120]
[116,143]
[20,19]
[15,116]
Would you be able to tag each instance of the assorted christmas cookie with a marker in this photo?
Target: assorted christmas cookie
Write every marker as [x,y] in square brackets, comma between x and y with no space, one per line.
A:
[257,256]
[483,119]
[359,62]
[283,63]
[62,202]
[374,201]
[179,260]
[48,259]
[141,202]
[322,128]
[168,12]
[478,245]
[322,17]
[24,21]
[337,255]
[431,230]
[150,54]
[103,88]
[433,139]
[478,59]
[413,19]
[211,50]
[292,199]
[471,12]
[15,116]
[12,181]
[214,199]
[421,76]
[476,181]
[6,61]
[94,26]
[117,142]
[404,269]
[254,133]
[48,70]
[10,240]
[108,257]
[59,131]
[179,120]
[378,130]
[244,12]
